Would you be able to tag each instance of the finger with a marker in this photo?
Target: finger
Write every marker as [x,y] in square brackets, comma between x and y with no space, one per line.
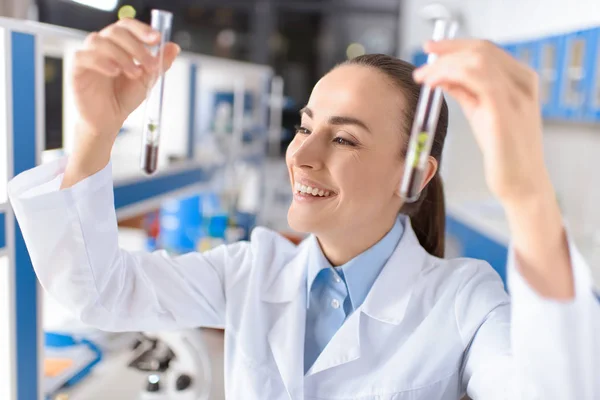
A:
[464,69]
[523,76]
[91,60]
[112,51]
[171,52]
[130,43]
[447,46]
[143,32]
[466,99]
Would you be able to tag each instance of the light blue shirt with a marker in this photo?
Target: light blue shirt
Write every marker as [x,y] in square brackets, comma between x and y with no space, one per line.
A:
[333,293]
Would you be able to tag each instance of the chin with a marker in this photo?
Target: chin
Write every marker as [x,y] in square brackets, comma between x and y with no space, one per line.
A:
[303,222]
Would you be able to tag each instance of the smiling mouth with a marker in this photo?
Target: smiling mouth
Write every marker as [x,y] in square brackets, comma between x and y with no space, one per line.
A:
[311,191]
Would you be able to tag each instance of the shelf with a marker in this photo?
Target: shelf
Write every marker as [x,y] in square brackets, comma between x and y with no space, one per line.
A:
[484,229]
[139,193]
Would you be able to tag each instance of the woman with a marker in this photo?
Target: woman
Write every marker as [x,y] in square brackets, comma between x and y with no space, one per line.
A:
[365,307]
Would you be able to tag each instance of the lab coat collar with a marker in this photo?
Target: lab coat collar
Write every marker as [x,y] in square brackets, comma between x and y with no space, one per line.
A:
[387,299]
[391,292]
[385,303]
[283,285]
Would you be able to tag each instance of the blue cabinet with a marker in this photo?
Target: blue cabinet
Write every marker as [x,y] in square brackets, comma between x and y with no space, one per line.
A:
[549,52]
[574,75]
[592,110]
[474,244]
[568,66]
[528,53]
[510,48]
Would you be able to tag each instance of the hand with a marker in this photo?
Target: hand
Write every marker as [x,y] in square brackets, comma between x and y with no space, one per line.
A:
[108,86]
[499,97]
[107,83]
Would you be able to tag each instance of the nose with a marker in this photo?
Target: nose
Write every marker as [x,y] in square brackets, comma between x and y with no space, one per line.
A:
[309,153]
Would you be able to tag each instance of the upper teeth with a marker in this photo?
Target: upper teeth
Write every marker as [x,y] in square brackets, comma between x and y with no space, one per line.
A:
[311,190]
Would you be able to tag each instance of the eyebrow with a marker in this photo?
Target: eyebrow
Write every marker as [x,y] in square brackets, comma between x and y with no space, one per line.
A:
[339,120]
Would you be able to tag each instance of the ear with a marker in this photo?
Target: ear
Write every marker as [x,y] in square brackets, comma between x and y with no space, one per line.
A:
[431,169]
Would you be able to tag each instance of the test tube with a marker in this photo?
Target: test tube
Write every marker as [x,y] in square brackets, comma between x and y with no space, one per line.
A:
[424,124]
[161,22]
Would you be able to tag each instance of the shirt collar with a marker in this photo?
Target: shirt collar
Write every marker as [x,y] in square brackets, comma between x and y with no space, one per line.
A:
[360,272]
[316,263]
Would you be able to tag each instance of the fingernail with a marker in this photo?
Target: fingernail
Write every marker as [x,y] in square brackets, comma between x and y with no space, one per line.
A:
[178,49]
[418,73]
[152,35]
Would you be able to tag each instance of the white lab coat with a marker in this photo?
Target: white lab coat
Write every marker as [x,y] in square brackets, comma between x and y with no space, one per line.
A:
[429,328]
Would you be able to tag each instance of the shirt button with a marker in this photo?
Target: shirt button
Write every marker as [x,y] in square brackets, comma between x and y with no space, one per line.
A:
[335,303]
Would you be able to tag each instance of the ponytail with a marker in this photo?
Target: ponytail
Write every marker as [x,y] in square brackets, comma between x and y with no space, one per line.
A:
[428,217]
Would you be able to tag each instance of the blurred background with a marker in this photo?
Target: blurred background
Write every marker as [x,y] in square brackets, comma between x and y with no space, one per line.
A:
[300,39]
[231,102]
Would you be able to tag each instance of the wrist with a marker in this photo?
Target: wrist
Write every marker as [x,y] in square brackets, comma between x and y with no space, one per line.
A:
[534,192]
[534,209]
[540,243]
[90,155]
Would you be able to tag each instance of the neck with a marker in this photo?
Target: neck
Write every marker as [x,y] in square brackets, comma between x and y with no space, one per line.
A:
[341,246]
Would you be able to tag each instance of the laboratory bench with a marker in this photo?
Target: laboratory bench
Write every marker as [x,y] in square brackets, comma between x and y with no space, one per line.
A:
[113,379]
[476,227]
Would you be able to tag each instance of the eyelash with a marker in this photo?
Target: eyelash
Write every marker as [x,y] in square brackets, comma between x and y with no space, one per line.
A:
[300,130]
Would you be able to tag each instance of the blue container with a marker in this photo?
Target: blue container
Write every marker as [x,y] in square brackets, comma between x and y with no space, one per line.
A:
[217,225]
[247,222]
[550,54]
[592,102]
[180,224]
[573,79]
[419,58]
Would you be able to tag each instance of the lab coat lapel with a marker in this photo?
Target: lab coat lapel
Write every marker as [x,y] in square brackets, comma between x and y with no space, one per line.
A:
[286,339]
[286,335]
[343,347]
[386,302]
[390,295]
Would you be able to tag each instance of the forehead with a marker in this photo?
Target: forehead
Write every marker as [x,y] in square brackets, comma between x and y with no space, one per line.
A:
[357,91]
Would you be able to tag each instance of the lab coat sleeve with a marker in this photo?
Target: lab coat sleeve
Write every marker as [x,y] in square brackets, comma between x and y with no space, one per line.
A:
[540,348]
[72,239]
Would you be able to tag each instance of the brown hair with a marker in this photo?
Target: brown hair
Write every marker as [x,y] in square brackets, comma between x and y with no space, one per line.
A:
[428,213]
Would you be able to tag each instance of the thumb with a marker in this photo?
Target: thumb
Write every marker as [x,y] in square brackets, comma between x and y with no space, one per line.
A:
[171,51]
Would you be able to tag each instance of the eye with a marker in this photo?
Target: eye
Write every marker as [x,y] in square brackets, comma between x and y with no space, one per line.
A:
[302,130]
[344,142]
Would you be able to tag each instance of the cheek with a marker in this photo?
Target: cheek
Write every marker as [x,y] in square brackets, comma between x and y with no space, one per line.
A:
[372,179]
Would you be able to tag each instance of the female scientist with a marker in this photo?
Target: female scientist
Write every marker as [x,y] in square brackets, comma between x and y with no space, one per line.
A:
[365,307]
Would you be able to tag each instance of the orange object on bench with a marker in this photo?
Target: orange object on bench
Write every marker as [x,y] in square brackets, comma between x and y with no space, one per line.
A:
[56,366]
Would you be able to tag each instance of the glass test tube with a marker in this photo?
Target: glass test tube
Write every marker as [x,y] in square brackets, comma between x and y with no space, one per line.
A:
[424,125]
[161,22]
